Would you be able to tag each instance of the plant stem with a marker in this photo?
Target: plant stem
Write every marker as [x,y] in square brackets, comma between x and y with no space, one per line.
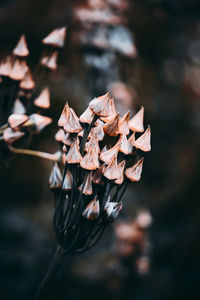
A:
[54,157]
[45,287]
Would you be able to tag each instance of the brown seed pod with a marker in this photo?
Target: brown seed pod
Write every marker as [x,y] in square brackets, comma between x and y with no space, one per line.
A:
[87,116]
[123,144]
[123,124]
[71,124]
[98,175]
[121,166]
[90,161]
[108,155]
[21,48]
[134,173]
[87,188]
[112,170]
[17,120]
[60,135]
[144,141]
[92,211]
[62,119]
[136,123]
[18,107]
[55,179]
[74,156]
[100,105]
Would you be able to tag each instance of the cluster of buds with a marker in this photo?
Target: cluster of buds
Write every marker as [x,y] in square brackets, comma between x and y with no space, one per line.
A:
[100,156]
[23,95]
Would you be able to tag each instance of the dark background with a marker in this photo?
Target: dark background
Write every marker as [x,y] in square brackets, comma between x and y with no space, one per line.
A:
[165,79]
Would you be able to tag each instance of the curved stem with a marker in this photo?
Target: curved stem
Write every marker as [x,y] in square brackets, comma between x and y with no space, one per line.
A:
[54,157]
[45,287]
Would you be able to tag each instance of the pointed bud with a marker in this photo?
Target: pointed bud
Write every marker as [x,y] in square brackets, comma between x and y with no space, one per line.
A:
[71,124]
[121,166]
[18,108]
[112,210]
[16,121]
[6,67]
[123,124]
[50,62]
[136,123]
[62,119]
[40,122]
[18,70]
[108,155]
[55,179]
[74,156]
[112,111]
[134,173]
[68,139]
[111,128]
[60,135]
[67,183]
[87,116]
[11,136]
[100,105]
[87,188]
[131,143]
[144,141]
[27,83]
[93,143]
[123,144]
[112,170]
[43,100]
[98,175]
[90,161]
[92,211]
[56,38]
[21,48]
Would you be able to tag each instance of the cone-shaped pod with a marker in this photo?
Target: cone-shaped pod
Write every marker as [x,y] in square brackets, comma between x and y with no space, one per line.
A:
[108,155]
[27,83]
[55,179]
[18,107]
[67,183]
[21,48]
[56,38]
[87,188]
[68,139]
[74,156]
[100,106]
[72,124]
[121,166]
[62,119]
[134,173]
[40,122]
[112,170]
[111,128]
[144,141]
[43,100]
[11,136]
[60,135]
[123,144]
[136,123]
[98,175]
[90,161]
[87,116]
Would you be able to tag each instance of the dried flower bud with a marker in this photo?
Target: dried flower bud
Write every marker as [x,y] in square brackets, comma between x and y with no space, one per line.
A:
[67,183]
[112,210]
[16,120]
[98,130]
[86,187]
[62,119]
[112,170]
[134,173]
[123,144]
[40,122]
[43,100]
[55,179]
[93,143]
[11,136]
[92,210]
[87,116]
[121,166]
[90,161]
[111,128]
[21,48]
[112,111]
[50,62]
[27,83]
[123,124]
[136,123]
[100,105]
[56,38]
[60,135]
[144,141]
[74,156]
[71,124]
[108,155]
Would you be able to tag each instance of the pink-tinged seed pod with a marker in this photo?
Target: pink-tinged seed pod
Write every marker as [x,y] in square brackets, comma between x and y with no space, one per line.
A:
[87,116]
[11,136]
[111,210]
[43,100]
[134,173]
[18,108]
[74,156]
[50,62]
[112,170]
[100,106]
[21,48]
[136,123]
[90,161]
[106,156]
[67,183]
[40,122]
[27,83]
[121,166]
[55,179]
[17,120]
[144,141]
[92,211]
[123,144]
[56,38]
[123,124]
[87,188]
[111,128]
[71,124]
[112,111]
[92,143]
[62,119]
[60,135]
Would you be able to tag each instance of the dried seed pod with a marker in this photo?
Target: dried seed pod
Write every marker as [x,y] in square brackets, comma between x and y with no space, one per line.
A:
[131,143]
[87,188]
[67,183]
[108,155]
[136,123]
[123,144]
[112,111]
[121,166]
[68,139]
[100,105]
[56,38]
[112,210]
[87,116]
[90,161]
[112,170]
[71,124]
[74,156]
[98,130]
[92,143]
[111,128]
[144,141]
[18,70]
[43,100]
[123,124]
[92,211]
[55,179]
[50,62]
[39,121]
[134,173]
[18,108]
[11,136]
[98,175]
[62,119]
[17,120]
[21,48]
[60,135]
[27,83]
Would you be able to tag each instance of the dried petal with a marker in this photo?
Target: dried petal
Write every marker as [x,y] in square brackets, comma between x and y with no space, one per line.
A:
[16,120]
[56,38]
[100,105]
[50,62]
[60,135]
[11,136]
[21,48]
[67,183]
[43,100]
[90,161]
[134,173]
[136,123]
[40,122]
[87,189]
[121,166]
[92,211]
[123,124]
[71,124]
[18,107]
[108,155]
[87,116]
[74,156]
[112,171]
[27,83]
[55,179]
[112,210]
[144,141]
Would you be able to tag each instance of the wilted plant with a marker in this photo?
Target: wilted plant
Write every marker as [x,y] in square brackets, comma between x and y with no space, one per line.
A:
[22,95]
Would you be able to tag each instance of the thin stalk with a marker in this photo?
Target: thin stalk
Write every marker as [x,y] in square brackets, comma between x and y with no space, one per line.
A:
[54,157]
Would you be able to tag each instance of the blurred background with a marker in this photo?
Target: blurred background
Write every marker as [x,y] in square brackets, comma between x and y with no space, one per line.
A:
[147,53]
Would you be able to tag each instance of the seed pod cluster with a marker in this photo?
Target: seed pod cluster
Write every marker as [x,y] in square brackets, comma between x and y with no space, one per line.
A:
[23,97]
[101,155]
